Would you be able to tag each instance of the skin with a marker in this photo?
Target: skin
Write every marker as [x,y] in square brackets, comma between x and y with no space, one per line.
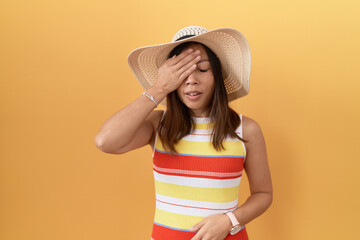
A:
[136,125]
[202,80]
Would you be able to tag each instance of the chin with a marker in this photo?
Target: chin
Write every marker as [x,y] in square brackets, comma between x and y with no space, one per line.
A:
[193,106]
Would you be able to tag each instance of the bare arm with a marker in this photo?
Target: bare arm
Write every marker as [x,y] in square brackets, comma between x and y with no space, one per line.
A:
[131,127]
[134,126]
[257,170]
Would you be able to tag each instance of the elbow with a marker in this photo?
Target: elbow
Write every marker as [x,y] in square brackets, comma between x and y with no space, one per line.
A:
[266,198]
[270,199]
[101,144]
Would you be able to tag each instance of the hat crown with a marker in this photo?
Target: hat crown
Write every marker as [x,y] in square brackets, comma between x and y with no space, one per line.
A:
[189,32]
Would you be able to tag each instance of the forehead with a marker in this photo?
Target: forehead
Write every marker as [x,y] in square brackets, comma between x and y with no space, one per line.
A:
[195,46]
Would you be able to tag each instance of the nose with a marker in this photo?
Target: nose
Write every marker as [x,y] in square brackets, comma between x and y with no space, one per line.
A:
[191,79]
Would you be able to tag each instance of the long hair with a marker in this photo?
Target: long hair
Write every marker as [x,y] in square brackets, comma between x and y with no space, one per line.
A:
[178,122]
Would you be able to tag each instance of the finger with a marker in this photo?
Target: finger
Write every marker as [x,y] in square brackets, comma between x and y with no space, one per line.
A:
[186,59]
[197,226]
[189,65]
[177,58]
[187,73]
[199,235]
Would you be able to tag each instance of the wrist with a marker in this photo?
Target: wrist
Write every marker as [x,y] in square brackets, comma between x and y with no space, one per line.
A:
[235,225]
[157,92]
[228,221]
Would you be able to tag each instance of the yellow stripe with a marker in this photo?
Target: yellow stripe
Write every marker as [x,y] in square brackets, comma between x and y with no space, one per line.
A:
[197,193]
[176,220]
[204,125]
[205,148]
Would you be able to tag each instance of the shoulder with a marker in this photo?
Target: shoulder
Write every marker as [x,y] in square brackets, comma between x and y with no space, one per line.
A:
[251,129]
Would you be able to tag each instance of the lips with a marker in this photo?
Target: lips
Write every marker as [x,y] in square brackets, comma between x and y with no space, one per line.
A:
[193,95]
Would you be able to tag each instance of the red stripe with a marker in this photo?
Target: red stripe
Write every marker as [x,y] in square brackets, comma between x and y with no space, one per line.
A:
[164,233]
[199,163]
[196,175]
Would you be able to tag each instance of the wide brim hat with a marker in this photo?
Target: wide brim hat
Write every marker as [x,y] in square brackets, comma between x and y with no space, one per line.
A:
[229,45]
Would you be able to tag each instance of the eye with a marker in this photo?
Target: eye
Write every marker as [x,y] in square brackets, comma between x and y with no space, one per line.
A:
[203,70]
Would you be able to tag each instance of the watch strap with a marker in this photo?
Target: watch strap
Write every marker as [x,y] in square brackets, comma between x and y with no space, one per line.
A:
[233,219]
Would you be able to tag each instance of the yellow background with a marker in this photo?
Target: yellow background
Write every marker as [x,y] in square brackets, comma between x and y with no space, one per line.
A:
[63,72]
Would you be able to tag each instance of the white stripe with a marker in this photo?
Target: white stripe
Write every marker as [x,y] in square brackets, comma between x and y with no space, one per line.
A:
[188,210]
[200,204]
[209,131]
[202,119]
[205,138]
[196,138]
[197,182]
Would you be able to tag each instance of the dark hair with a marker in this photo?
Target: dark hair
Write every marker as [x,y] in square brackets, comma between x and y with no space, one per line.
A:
[177,121]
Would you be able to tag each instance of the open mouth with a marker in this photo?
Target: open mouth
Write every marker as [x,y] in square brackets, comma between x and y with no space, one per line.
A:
[193,93]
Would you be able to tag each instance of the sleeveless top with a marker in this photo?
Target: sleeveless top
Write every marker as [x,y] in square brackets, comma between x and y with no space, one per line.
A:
[196,182]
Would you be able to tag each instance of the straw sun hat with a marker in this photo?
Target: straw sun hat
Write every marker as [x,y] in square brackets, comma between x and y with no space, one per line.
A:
[230,46]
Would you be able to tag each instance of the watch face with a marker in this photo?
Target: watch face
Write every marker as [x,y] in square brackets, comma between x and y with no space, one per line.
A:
[235,229]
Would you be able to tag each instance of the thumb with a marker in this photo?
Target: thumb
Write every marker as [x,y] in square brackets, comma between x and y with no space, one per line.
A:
[197,226]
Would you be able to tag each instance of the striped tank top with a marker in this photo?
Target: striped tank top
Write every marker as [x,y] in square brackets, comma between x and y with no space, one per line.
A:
[196,182]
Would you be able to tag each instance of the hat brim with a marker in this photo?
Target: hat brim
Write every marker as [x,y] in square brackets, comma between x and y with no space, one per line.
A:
[230,46]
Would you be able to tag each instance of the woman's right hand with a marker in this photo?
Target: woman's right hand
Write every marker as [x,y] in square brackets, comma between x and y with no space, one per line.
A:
[176,69]
[135,125]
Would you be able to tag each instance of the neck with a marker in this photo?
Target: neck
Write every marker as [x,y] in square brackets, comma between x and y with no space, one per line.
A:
[200,114]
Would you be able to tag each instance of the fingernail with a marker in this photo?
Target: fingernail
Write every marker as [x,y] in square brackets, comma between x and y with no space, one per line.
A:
[190,50]
[197,51]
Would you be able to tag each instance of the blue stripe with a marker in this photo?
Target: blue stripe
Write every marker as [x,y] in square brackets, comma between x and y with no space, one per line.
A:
[185,230]
[179,229]
[193,155]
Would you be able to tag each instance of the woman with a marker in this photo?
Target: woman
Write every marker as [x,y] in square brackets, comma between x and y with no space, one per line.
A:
[199,143]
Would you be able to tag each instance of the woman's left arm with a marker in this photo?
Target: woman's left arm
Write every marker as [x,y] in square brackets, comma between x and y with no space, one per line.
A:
[216,227]
[258,174]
